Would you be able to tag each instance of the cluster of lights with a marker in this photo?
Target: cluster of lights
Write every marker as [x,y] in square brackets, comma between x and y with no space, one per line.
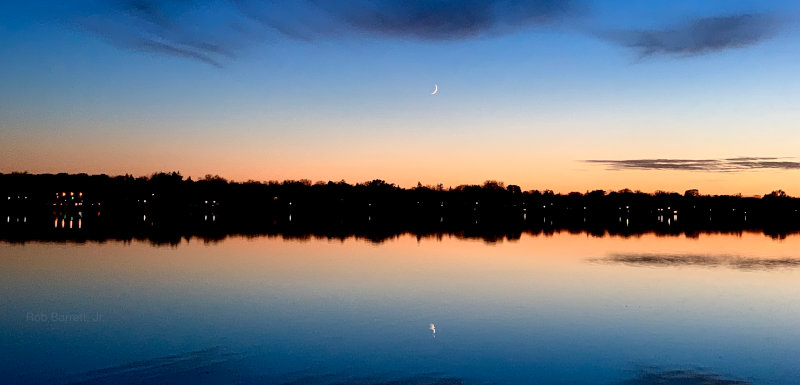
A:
[71,195]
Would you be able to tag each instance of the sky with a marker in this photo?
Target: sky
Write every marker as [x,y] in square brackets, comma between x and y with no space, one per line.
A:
[565,95]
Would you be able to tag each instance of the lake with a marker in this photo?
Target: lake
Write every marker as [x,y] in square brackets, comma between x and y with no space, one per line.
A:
[562,308]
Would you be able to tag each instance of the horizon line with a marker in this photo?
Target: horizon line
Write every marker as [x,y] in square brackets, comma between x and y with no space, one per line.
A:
[309,182]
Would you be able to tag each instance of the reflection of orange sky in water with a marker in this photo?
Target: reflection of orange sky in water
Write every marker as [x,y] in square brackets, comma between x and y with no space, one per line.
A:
[277,252]
[548,275]
[355,261]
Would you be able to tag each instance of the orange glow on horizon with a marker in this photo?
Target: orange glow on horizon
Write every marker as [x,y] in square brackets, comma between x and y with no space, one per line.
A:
[559,168]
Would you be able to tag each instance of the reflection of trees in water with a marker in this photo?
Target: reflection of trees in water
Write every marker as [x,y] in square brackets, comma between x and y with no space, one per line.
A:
[167,207]
[172,231]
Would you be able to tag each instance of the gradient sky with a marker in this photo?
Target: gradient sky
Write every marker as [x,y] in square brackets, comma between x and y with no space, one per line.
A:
[562,95]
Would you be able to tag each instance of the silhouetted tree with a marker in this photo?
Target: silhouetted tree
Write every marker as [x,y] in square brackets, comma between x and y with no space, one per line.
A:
[776,194]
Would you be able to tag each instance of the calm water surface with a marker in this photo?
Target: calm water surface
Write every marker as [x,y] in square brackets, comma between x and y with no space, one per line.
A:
[561,309]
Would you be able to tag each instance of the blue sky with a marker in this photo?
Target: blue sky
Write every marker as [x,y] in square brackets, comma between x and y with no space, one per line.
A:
[331,90]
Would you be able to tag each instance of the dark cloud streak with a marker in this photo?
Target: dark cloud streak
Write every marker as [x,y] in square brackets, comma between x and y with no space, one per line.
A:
[699,36]
[696,260]
[450,20]
[655,376]
[716,165]
[412,19]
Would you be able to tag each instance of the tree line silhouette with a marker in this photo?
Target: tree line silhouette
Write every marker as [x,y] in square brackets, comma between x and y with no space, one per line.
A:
[167,206]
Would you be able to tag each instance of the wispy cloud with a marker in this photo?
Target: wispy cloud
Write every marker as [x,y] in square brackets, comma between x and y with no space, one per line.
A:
[208,31]
[698,260]
[215,31]
[717,165]
[698,36]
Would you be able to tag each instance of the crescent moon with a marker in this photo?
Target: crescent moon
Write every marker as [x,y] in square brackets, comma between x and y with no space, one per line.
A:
[435,89]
